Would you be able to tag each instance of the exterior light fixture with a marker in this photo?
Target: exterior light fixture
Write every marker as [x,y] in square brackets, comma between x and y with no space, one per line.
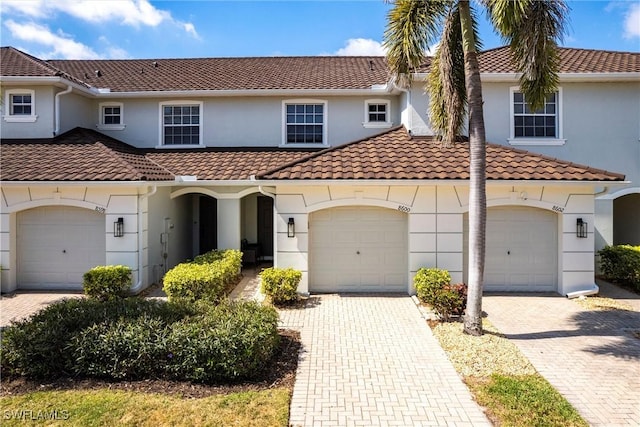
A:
[291,228]
[118,227]
[581,228]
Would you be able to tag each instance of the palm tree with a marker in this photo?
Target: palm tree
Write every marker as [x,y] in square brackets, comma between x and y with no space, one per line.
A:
[531,28]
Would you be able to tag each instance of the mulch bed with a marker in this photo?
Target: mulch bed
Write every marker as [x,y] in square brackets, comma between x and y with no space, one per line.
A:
[279,372]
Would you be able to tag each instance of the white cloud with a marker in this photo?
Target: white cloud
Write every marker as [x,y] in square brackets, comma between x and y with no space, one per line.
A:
[61,45]
[361,47]
[134,13]
[632,22]
[190,29]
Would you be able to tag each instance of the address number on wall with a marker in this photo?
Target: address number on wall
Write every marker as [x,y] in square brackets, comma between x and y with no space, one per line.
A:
[557,209]
[101,209]
[403,208]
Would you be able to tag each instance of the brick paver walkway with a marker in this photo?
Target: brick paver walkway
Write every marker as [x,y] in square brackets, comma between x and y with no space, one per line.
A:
[591,357]
[23,304]
[373,361]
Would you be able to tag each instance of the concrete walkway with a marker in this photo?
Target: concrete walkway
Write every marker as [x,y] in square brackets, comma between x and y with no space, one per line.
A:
[591,357]
[373,361]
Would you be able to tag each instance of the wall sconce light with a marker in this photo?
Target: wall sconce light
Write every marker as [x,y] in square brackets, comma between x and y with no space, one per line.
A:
[581,228]
[118,227]
[291,228]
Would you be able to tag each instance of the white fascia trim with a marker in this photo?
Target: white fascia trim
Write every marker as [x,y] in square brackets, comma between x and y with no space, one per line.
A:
[40,81]
[245,92]
[564,77]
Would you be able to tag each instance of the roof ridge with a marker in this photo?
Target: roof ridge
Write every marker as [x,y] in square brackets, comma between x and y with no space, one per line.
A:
[327,150]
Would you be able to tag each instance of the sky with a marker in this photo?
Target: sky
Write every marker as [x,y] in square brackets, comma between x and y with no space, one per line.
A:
[120,29]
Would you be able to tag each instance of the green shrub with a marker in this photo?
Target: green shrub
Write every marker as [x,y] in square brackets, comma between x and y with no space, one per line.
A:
[207,277]
[429,281]
[621,263]
[124,349]
[41,347]
[107,282]
[434,289]
[281,284]
[232,340]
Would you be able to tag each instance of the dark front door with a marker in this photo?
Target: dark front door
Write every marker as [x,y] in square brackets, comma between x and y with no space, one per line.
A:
[265,225]
[208,224]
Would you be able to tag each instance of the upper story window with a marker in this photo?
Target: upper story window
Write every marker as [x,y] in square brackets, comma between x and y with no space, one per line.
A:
[111,116]
[377,113]
[21,106]
[539,127]
[180,124]
[305,122]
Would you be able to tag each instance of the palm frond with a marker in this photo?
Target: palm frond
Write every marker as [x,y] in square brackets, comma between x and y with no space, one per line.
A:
[412,25]
[446,81]
[533,30]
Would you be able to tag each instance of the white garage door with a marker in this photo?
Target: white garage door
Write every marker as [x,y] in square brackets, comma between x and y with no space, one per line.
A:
[522,250]
[358,249]
[56,245]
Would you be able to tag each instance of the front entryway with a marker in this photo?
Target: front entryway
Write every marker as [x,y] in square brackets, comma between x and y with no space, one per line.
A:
[358,249]
[56,245]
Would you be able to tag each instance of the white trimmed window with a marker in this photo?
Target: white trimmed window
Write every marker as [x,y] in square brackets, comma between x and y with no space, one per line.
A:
[304,122]
[21,105]
[181,124]
[111,116]
[539,127]
[377,113]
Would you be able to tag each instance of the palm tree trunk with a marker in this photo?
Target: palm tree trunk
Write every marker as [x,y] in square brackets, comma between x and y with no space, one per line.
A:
[477,181]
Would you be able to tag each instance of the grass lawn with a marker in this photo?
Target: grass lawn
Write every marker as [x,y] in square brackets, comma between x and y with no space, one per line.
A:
[104,407]
[503,381]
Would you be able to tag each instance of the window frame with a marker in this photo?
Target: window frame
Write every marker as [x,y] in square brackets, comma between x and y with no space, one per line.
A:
[535,140]
[161,126]
[101,115]
[20,118]
[374,124]
[325,115]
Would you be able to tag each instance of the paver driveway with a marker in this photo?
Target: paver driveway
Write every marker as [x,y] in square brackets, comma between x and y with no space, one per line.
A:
[373,361]
[591,357]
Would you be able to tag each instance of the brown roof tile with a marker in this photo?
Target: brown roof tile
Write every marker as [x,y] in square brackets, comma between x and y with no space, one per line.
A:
[396,155]
[77,155]
[572,60]
[315,72]
[224,164]
[14,62]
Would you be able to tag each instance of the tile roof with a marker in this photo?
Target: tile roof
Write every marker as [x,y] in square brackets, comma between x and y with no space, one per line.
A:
[14,62]
[572,60]
[315,72]
[77,155]
[225,163]
[396,155]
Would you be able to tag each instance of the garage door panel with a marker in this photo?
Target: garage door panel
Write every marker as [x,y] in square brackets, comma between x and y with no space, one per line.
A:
[379,235]
[521,249]
[56,245]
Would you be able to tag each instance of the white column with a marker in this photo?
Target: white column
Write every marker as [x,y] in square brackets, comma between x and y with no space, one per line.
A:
[229,224]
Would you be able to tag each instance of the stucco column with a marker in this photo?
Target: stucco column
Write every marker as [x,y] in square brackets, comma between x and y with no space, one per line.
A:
[602,227]
[229,223]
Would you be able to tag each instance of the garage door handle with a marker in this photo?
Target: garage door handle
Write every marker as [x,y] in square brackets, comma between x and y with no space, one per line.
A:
[508,252]
[358,252]
[64,251]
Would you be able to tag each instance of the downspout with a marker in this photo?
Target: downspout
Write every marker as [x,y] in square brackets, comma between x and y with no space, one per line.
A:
[408,92]
[57,108]
[593,289]
[138,287]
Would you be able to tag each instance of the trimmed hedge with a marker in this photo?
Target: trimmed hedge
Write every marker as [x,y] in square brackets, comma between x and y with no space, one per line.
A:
[107,282]
[433,287]
[139,339]
[281,284]
[42,346]
[206,277]
[621,263]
